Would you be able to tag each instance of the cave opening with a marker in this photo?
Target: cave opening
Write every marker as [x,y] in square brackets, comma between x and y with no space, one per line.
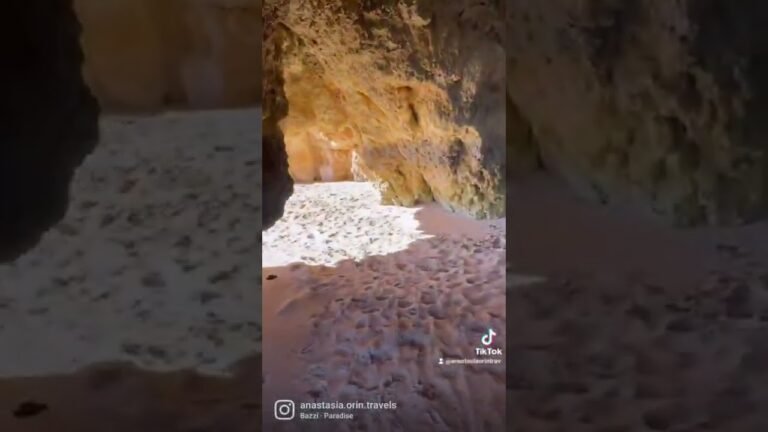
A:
[384,257]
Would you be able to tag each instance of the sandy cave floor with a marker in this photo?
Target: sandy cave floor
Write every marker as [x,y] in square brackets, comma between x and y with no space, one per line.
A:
[361,300]
[634,326]
[623,325]
[154,269]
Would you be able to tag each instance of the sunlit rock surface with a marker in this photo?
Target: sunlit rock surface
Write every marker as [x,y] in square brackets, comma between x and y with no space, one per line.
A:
[413,91]
[313,156]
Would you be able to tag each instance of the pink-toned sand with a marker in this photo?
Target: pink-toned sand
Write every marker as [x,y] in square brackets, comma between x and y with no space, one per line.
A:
[371,326]
[634,326]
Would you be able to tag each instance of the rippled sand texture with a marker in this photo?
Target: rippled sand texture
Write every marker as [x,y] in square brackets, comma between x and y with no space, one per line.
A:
[390,292]
[152,277]
[634,326]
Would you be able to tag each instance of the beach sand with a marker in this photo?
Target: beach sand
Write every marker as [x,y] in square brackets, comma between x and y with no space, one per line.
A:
[631,325]
[361,301]
[140,311]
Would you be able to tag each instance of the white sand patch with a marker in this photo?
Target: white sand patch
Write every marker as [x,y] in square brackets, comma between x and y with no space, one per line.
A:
[375,296]
[325,223]
[154,261]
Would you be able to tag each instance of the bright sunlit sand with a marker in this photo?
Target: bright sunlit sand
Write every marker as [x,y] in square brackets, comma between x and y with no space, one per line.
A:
[325,223]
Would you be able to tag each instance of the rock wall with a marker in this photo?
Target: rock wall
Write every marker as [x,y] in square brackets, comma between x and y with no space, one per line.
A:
[49,118]
[411,91]
[312,156]
[150,54]
[658,105]
[277,184]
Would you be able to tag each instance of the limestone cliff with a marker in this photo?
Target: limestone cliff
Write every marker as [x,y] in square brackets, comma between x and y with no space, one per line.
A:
[150,54]
[410,94]
[659,105]
[48,118]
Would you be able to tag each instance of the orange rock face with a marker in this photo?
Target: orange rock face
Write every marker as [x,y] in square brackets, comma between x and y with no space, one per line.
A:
[312,156]
[409,95]
[149,54]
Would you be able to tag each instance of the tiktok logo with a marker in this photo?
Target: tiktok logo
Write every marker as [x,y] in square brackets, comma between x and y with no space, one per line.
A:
[488,337]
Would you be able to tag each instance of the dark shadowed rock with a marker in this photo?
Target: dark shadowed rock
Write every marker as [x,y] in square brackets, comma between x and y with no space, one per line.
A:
[655,105]
[277,184]
[48,118]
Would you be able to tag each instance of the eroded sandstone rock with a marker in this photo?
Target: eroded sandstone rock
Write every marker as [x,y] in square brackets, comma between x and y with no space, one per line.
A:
[412,90]
[312,156]
[656,104]
[150,54]
[48,118]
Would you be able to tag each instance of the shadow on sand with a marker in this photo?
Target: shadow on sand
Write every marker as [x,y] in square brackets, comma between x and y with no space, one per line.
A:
[461,258]
[634,325]
[374,330]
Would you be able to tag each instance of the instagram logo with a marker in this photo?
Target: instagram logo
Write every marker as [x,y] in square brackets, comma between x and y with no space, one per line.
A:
[285,409]
[488,337]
